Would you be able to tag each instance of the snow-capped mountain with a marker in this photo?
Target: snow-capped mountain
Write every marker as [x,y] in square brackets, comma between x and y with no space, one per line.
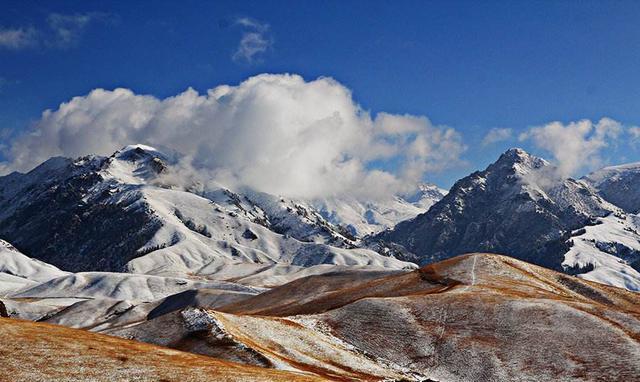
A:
[241,275]
[518,207]
[363,218]
[619,185]
[127,212]
[117,213]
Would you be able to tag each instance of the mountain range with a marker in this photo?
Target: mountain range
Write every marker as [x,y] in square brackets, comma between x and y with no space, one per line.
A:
[431,285]
[125,213]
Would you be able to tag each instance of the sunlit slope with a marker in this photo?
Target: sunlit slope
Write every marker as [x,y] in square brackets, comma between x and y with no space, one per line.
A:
[41,352]
[476,317]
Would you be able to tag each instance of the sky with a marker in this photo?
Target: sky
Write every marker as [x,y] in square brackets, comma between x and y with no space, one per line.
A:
[422,90]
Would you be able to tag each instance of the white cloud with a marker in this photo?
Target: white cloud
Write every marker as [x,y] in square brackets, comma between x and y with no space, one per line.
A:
[253,24]
[18,38]
[67,29]
[275,133]
[255,40]
[634,132]
[496,135]
[64,30]
[577,145]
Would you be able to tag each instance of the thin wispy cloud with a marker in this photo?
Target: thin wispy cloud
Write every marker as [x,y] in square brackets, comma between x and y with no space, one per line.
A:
[59,31]
[634,132]
[250,23]
[256,40]
[496,135]
[67,29]
[18,38]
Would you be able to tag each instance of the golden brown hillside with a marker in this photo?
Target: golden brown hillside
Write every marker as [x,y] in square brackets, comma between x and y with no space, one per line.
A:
[477,317]
[41,352]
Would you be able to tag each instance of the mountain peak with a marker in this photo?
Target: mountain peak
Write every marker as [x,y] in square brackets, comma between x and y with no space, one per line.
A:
[136,164]
[137,151]
[520,160]
[515,154]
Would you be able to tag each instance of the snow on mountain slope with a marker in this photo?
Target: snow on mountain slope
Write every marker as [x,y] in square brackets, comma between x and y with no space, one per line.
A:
[10,283]
[18,271]
[363,218]
[102,300]
[607,252]
[121,286]
[516,207]
[64,213]
[275,275]
[126,212]
[106,314]
[198,235]
[16,186]
[299,219]
[619,185]
[15,263]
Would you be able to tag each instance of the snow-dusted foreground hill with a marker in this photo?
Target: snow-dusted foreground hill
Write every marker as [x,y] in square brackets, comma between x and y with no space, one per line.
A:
[33,290]
[76,355]
[477,317]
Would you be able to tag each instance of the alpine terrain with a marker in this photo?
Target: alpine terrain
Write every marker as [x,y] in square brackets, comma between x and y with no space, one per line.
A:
[128,266]
[520,207]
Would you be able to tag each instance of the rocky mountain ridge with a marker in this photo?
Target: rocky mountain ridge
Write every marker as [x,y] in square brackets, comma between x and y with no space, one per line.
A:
[520,207]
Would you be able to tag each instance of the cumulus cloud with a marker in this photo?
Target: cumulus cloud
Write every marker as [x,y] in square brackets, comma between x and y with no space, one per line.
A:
[577,145]
[255,41]
[496,135]
[274,133]
[17,38]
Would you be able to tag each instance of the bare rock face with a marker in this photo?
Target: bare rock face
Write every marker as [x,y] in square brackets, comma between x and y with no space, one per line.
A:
[515,207]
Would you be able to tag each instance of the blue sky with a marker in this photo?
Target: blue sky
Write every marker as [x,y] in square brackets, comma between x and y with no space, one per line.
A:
[473,66]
